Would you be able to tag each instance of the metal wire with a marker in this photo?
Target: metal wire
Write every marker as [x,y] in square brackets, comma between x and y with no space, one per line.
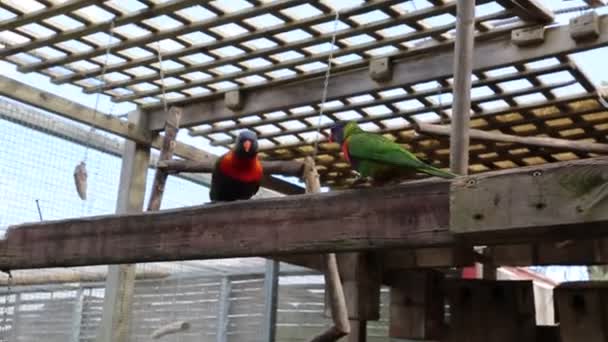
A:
[162,76]
[101,79]
[326,84]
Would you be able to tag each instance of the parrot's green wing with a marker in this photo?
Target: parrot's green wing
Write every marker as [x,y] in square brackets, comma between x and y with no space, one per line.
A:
[370,146]
[374,147]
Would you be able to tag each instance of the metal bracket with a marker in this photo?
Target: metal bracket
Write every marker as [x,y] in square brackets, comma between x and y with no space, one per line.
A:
[586,26]
[380,69]
[528,36]
[234,100]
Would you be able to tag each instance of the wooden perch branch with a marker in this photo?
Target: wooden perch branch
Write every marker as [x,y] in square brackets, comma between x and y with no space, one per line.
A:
[166,153]
[286,168]
[333,284]
[476,134]
[27,279]
[171,328]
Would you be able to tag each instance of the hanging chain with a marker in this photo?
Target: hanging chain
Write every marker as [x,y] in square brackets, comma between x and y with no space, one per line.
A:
[101,79]
[326,83]
[162,76]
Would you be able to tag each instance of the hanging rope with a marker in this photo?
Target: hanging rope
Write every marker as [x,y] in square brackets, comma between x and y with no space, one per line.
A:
[80,172]
[326,84]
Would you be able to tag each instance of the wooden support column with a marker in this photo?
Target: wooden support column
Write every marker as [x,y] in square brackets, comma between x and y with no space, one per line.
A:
[463,71]
[114,326]
[489,310]
[582,311]
[417,304]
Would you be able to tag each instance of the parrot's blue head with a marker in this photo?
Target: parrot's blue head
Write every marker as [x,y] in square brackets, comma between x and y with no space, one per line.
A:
[337,132]
[341,130]
[246,144]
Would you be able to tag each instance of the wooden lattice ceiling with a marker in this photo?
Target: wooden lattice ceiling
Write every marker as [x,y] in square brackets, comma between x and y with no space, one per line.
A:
[210,47]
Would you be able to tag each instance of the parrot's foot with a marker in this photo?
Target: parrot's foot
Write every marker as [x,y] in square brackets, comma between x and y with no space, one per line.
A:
[360,181]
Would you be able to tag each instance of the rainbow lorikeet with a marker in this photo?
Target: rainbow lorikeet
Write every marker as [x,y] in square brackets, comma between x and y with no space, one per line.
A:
[238,173]
[374,156]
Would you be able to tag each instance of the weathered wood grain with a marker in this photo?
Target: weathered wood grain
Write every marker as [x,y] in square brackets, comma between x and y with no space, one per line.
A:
[532,200]
[582,310]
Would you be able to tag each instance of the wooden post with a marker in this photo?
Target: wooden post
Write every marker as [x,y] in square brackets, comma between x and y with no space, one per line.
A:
[417,304]
[463,69]
[582,311]
[489,310]
[114,326]
[333,285]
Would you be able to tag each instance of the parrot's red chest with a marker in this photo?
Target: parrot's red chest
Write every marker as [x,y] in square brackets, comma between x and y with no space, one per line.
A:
[244,170]
[345,151]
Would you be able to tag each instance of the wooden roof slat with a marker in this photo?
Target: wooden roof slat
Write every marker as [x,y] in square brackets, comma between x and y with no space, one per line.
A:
[323,38]
[321,57]
[49,12]
[219,43]
[101,27]
[208,23]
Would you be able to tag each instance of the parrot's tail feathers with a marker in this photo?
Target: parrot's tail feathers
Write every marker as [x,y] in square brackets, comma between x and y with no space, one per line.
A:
[438,173]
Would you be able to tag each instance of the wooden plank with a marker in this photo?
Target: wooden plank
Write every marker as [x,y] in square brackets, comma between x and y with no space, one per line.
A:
[42,14]
[553,143]
[411,215]
[72,110]
[490,310]
[582,309]
[416,304]
[429,66]
[532,199]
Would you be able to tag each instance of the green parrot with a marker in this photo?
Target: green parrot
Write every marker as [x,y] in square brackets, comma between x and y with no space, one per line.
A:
[376,157]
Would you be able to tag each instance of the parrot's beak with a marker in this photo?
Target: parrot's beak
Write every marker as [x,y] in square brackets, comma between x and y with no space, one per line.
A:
[247,145]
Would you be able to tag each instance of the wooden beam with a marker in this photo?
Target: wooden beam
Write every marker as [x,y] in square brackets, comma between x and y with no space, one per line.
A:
[554,143]
[286,168]
[438,63]
[532,199]
[58,105]
[413,215]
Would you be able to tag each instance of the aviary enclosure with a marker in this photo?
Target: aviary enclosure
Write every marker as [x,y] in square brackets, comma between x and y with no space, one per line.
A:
[487,89]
